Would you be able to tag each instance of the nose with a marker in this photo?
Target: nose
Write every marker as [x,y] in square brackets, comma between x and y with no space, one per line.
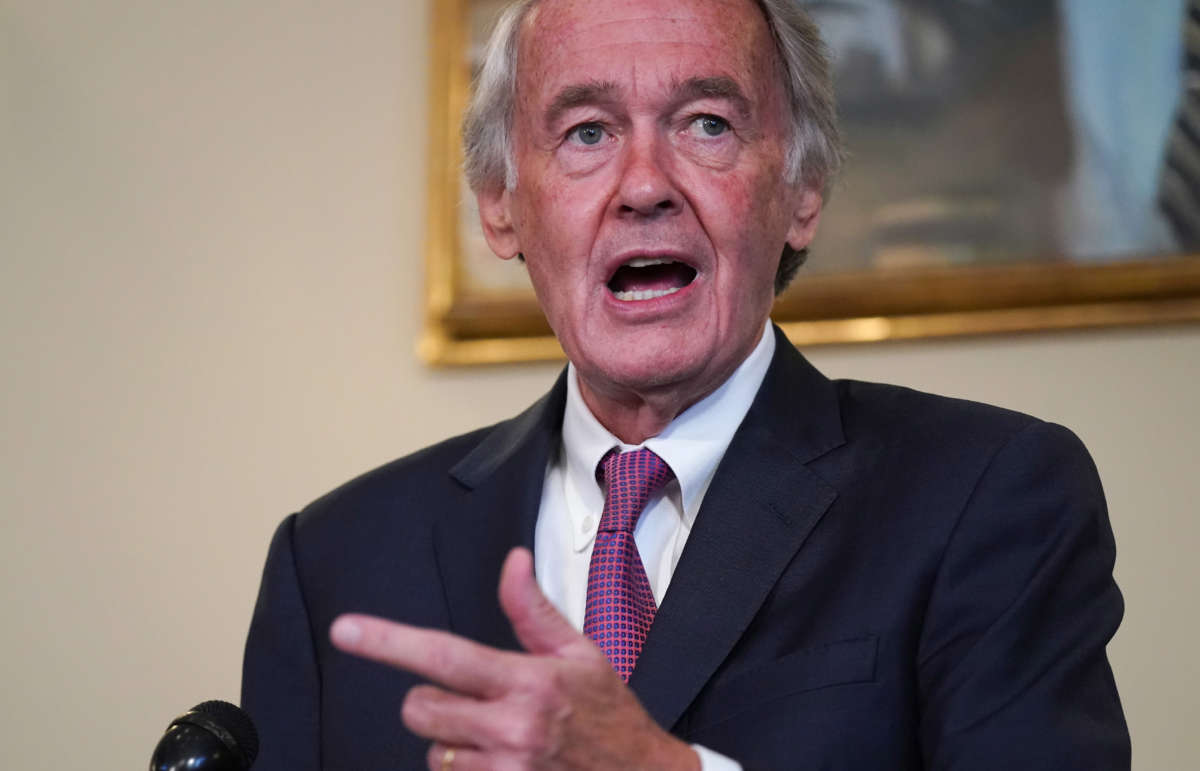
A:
[646,188]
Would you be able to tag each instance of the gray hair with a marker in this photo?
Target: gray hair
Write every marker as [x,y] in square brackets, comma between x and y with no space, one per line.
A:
[813,155]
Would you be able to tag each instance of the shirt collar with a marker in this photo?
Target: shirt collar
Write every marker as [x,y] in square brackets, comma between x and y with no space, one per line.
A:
[692,444]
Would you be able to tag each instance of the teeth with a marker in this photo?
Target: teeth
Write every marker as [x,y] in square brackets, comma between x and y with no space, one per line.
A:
[644,262]
[644,294]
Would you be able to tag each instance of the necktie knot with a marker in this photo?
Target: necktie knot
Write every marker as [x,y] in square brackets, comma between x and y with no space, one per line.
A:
[630,478]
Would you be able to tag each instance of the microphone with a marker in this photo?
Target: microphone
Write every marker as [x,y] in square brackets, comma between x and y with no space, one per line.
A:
[212,736]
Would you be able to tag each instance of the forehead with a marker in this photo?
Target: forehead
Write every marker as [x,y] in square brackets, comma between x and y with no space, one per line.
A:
[642,43]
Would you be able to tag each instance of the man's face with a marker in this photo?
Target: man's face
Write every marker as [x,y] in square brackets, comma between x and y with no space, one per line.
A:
[649,141]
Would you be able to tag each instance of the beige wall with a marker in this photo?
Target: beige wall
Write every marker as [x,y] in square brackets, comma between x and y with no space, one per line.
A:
[210,263]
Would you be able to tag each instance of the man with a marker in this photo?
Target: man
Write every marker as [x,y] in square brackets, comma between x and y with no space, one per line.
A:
[822,574]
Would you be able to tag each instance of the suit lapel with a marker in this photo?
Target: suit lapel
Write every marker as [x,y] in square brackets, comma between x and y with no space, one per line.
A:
[760,508]
[502,483]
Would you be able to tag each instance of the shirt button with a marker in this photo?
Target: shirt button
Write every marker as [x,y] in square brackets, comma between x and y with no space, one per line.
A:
[587,525]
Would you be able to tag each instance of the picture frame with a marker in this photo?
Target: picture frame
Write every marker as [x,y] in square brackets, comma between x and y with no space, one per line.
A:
[932,242]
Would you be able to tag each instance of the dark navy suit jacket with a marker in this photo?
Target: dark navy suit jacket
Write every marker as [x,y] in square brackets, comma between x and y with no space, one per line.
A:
[877,579]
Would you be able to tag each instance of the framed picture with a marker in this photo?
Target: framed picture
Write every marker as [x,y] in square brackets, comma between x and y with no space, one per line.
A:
[1004,173]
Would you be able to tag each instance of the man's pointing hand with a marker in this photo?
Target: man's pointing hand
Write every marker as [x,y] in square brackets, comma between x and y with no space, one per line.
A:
[557,706]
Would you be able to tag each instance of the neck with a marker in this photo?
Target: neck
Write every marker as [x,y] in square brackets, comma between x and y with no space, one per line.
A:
[634,415]
[636,412]
[633,418]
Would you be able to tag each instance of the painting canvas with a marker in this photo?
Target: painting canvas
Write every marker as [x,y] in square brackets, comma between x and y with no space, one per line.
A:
[1006,163]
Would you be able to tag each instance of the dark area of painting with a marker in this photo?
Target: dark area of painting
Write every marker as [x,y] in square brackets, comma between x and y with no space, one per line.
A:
[957,133]
[962,138]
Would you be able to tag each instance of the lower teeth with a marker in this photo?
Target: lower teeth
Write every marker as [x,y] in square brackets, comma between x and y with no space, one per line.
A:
[644,294]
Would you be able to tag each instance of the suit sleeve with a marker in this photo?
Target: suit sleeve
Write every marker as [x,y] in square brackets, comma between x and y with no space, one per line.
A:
[280,683]
[1012,664]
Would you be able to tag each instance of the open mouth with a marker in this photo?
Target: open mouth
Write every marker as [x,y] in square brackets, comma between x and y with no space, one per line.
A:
[647,278]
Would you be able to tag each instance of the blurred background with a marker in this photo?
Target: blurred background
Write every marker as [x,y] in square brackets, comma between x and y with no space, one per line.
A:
[1000,131]
[211,223]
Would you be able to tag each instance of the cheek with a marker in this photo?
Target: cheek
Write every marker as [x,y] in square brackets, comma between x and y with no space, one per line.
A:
[555,248]
[748,231]
[740,216]
[566,238]
[767,204]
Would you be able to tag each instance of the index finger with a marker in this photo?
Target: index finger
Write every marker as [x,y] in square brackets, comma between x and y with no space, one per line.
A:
[455,662]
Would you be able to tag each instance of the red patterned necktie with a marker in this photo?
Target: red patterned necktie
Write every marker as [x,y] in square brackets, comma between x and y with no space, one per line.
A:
[620,606]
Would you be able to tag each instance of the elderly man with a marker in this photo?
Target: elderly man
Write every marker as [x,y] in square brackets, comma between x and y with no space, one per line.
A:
[735,561]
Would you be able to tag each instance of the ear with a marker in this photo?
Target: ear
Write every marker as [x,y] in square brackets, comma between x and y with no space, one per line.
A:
[805,212]
[495,214]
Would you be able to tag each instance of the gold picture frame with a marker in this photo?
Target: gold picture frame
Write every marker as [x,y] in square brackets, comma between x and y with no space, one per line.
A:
[472,323]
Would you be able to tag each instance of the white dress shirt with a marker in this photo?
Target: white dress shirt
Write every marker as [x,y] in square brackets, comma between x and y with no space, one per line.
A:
[572,500]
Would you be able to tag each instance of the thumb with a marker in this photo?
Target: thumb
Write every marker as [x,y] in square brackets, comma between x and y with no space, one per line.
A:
[539,626]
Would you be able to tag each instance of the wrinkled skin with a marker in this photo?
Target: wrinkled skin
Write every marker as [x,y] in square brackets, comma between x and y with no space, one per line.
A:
[617,155]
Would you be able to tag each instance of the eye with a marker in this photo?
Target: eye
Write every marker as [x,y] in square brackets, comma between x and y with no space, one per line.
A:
[587,133]
[710,125]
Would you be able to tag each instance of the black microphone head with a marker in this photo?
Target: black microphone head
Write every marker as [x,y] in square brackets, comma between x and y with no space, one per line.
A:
[211,736]
[234,720]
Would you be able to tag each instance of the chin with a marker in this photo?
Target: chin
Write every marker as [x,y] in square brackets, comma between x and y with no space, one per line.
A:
[636,369]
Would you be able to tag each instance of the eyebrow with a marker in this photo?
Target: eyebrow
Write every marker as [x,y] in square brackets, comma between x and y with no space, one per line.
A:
[580,95]
[607,92]
[716,87]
